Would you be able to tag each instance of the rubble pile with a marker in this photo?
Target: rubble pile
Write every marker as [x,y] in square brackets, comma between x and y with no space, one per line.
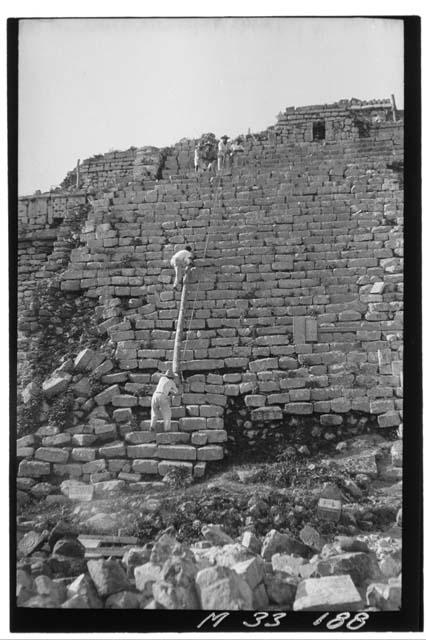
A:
[278,572]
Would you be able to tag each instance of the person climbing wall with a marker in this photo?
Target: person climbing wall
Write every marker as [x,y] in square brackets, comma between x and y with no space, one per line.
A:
[181,261]
[160,403]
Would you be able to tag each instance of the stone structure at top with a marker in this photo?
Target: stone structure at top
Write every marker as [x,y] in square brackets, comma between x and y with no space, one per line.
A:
[295,308]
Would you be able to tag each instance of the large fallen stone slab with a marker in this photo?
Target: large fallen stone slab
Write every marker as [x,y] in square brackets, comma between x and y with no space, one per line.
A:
[333,593]
[219,589]
[358,565]
[276,542]
[84,587]
[108,576]
[56,384]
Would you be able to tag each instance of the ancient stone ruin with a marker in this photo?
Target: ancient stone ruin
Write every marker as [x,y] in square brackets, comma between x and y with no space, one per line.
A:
[293,325]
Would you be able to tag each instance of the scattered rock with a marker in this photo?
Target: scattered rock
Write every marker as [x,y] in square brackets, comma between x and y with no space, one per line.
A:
[250,541]
[215,534]
[69,547]
[84,588]
[31,541]
[333,593]
[108,576]
[276,542]
[347,543]
[359,566]
[123,600]
[220,589]
[103,522]
[386,597]
[145,576]
[310,537]
[281,588]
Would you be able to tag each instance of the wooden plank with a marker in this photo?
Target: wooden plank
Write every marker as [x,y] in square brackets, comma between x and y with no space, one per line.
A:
[311,330]
[299,330]
[110,539]
[103,552]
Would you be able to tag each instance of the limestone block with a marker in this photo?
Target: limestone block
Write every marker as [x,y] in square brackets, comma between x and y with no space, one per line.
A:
[83,439]
[105,431]
[299,408]
[124,400]
[332,593]
[56,384]
[255,401]
[48,454]
[106,396]
[210,452]
[82,361]
[216,436]
[199,469]
[173,437]
[266,414]
[59,440]
[142,451]
[27,452]
[193,424]
[145,466]
[330,420]
[214,423]
[33,469]
[83,454]
[140,437]
[209,411]
[25,441]
[73,470]
[176,452]
[389,419]
[266,364]
[113,450]
[199,438]
[94,466]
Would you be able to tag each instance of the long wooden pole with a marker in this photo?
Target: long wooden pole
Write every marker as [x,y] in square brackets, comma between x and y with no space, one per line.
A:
[179,326]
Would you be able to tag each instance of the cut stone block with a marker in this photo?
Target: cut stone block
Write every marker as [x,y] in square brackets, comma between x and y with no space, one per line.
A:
[82,361]
[142,451]
[122,415]
[61,439]
[114,450]
[33,469]
[199,469]
[106,431]
[83,454]
[140,437]
[266,413]
[214,423]
[106,396]
[267,364]
[389,419]
[48,454]
[199,438]
[193,424]
[332,593]
[83,439]
[124,401]
[299,408]
[94,466]
[173,437]
[145,466]
[56,385]
[210,452]
[176,452]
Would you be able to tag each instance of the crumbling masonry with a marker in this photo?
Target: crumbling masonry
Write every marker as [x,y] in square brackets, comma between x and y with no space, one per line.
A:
[298,310]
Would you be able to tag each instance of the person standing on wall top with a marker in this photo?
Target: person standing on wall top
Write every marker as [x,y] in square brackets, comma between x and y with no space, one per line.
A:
[160,403]
[181,261]
[198,162]
[222,150]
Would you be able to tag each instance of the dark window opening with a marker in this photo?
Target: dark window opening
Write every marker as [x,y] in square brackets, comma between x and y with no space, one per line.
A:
[363,127]
[56,222]
[319,130]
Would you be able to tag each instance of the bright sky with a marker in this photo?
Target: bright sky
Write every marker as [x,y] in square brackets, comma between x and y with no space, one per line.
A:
[87,86]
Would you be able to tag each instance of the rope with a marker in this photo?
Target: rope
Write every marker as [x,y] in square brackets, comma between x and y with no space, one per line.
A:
[198,283]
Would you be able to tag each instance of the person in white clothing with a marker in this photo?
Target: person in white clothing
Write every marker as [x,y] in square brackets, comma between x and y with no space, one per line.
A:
[198,161]
[222,150]
[160,403]
[181,261]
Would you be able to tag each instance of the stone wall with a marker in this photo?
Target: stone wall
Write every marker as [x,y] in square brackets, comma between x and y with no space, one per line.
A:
[295,305]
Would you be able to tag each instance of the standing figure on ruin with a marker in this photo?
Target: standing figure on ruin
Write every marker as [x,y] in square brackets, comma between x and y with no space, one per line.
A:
[160,403]
[181,262]
[222,151]
[198,161]
[236,149]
